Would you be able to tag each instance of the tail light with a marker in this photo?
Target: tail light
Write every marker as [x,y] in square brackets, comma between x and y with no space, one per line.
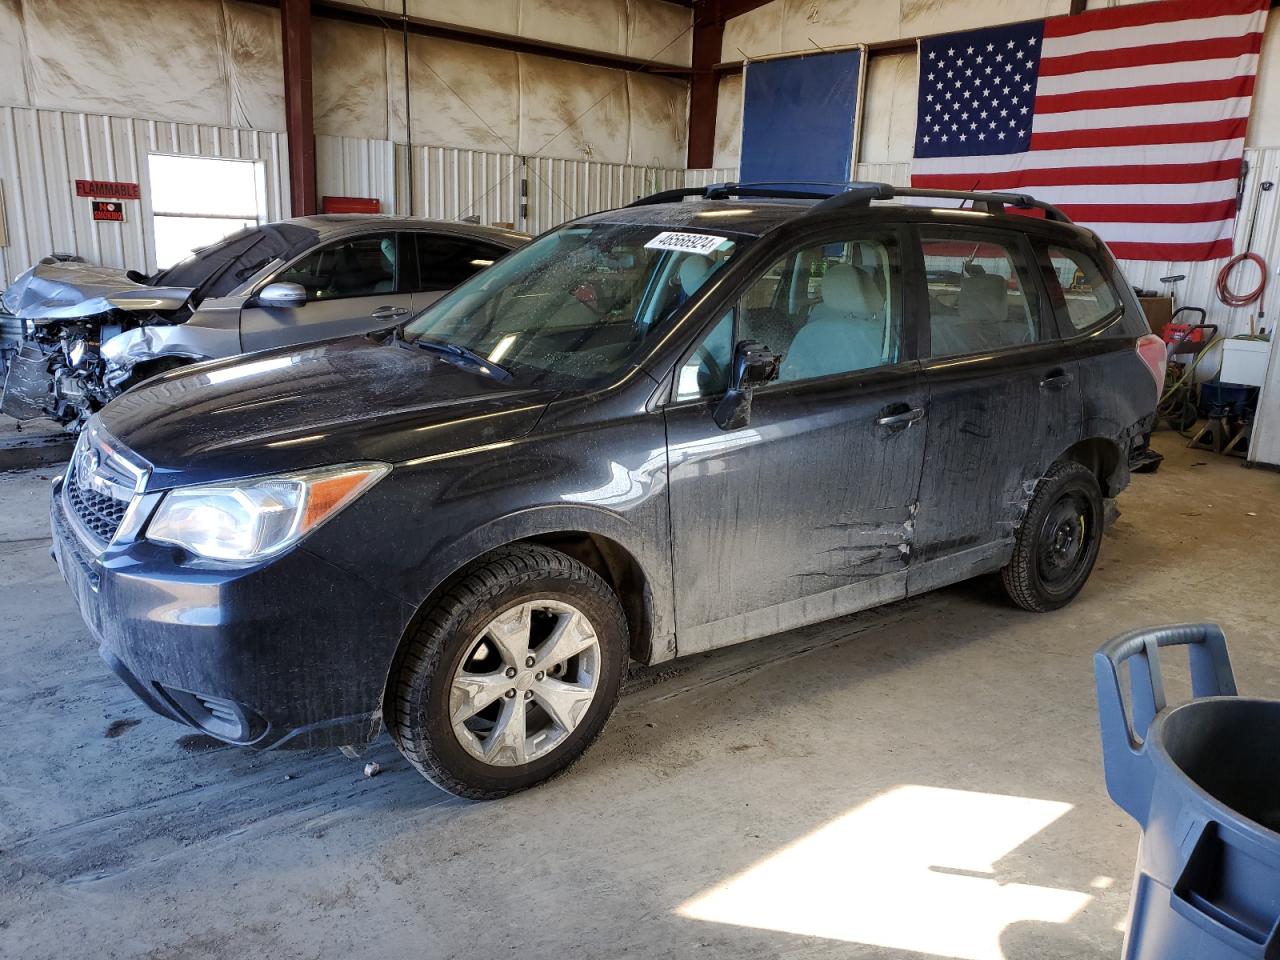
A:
[1151,350]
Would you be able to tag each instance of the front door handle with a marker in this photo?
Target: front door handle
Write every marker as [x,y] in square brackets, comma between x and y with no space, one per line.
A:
[387,312]
[900,419]
[1056,380]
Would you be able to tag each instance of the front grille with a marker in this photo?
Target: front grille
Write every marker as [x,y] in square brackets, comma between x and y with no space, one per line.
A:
[99,514]
[99,485]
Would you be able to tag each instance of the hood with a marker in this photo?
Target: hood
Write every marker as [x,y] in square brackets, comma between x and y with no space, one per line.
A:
[67,290]
[331,402]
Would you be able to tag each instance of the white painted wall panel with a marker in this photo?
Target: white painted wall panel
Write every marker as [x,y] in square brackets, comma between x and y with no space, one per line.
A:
[889,108]
[1199,288]
[43,152]
[1264,119]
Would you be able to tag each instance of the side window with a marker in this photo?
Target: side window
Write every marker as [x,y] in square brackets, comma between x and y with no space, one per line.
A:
[444,262]
[358,267]
[1084,286]
[706,373]
[835,310]
[977,297]
[829,308]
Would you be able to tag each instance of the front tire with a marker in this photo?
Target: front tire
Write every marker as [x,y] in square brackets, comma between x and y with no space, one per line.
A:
[1057,544]
[511,675]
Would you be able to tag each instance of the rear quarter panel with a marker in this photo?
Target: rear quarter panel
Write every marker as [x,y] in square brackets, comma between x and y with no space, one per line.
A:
[1118,391]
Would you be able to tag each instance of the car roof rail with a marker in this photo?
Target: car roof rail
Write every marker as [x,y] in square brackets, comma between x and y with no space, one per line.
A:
[834,195]
[861,194]
[778,190]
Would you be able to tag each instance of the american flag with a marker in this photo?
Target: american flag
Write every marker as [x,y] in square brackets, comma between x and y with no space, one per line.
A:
[1131,119]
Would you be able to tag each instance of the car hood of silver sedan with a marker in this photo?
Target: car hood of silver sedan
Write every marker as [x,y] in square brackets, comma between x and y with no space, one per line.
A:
[68,290]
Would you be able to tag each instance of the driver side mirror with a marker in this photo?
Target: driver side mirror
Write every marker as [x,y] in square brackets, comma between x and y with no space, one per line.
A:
[282,295]
[754,365]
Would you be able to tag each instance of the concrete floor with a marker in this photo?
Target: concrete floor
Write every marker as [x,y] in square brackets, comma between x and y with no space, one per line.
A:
[918,781]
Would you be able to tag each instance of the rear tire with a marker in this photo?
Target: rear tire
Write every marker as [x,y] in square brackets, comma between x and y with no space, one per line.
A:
[485,699]
[1057,544]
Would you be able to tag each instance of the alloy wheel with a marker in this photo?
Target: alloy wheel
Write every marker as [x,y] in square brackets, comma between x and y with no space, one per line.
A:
[525,682]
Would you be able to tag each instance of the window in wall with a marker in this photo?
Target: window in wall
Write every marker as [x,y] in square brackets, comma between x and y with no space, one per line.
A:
[196,201]
[976,297]
[1084,287]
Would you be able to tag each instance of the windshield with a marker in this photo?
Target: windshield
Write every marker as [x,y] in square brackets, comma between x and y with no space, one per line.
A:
[576,305]
[216,270]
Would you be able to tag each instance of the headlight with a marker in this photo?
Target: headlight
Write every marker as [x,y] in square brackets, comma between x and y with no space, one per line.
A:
[253,519]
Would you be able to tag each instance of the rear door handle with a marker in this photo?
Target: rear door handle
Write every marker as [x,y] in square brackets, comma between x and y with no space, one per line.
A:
[1056,380]
[899,419]
[386,313]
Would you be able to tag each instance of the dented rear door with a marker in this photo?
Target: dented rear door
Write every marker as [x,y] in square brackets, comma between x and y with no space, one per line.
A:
[1004,400]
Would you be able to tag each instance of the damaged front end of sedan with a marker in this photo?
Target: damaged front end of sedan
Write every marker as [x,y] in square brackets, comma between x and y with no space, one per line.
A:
[89,333]
[71,360]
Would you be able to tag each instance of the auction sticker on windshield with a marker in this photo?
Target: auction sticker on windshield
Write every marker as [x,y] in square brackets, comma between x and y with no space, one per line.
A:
[686,242]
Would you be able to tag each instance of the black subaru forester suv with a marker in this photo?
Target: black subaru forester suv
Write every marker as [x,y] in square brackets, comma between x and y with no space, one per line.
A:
[651,432]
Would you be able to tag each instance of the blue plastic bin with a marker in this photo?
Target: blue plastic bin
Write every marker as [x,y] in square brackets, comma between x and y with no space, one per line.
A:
[1203,781]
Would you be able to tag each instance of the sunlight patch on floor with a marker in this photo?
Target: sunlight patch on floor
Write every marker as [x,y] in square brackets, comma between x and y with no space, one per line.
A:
[911,869]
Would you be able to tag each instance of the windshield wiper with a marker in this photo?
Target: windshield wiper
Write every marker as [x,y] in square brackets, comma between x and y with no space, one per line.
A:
[468,357]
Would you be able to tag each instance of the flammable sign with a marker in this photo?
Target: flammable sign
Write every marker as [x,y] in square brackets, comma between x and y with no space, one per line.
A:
[109,210]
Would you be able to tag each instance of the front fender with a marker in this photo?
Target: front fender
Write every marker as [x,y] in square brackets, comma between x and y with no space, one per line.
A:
[126,350]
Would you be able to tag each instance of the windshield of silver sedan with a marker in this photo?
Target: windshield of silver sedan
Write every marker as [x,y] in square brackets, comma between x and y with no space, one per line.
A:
[577,304]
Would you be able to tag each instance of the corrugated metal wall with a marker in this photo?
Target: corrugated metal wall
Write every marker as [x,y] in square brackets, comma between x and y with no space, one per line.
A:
[451,183]
[43,153]
[1199,287]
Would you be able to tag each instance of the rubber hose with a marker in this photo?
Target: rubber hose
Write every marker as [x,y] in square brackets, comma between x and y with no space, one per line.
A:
[1225,293]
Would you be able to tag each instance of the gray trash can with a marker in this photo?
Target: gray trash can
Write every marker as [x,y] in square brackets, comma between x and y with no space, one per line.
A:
[1203,781]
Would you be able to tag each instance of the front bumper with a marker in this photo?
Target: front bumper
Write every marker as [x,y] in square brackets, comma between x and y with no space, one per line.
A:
[293,652]
[28,385]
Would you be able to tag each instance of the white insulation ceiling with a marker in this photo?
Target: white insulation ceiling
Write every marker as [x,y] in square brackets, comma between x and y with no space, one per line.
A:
[219,62]
[189,61]
[485,99]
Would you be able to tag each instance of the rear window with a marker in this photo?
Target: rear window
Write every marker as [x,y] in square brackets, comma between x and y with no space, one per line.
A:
[1089,298]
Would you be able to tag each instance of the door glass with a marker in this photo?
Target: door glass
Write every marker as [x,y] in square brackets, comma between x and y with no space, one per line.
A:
[1088,296]
[828,309]
[444,262]
[977,300]
[359,267]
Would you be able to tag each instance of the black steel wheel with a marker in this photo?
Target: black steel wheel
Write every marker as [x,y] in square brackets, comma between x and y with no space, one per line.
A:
[1057,544]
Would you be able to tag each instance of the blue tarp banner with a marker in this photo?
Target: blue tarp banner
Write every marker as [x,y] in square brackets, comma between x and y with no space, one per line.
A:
[799,115]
